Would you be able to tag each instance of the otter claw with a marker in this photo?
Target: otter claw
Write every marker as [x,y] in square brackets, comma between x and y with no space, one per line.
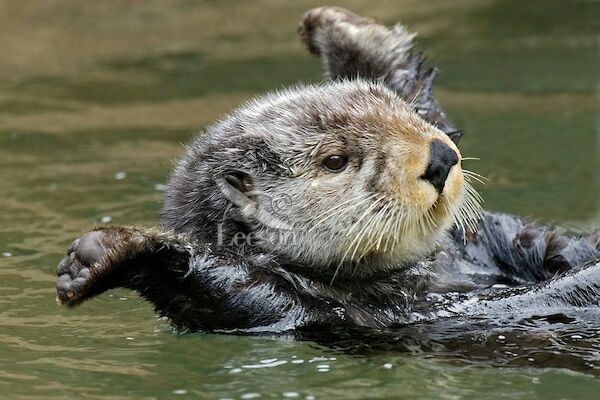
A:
[73,246]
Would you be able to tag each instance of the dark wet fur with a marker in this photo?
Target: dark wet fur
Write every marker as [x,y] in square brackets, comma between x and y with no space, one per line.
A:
[200,288]
[531,320]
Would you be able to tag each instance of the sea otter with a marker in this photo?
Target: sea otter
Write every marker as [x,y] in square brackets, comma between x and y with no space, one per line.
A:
[342,204]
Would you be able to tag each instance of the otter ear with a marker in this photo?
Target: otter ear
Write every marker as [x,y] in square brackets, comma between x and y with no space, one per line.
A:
[237,187]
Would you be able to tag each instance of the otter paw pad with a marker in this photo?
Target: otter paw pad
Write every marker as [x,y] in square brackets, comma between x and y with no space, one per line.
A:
[75,271]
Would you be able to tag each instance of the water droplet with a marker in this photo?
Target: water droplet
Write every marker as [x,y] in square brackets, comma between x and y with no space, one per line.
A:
[290,394]
[250,396]
[161,187]
[106,219]
[387,366]
[266,364]
[500,286]
[129,338]
[180,391]
[576,337]
[120,175]
[7,254]
[501,337]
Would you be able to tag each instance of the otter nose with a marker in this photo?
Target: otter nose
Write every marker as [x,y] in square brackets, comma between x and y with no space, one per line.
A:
[441,159]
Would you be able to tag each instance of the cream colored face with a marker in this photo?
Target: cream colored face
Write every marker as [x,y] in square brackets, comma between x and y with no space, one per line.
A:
[408,159]
[373,210]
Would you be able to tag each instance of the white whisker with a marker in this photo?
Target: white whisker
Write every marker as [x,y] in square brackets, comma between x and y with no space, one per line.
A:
[339,212]
[352,228]
[474,174]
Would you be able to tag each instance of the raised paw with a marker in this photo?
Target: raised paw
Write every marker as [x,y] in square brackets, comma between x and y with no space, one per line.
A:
[85,260]
[327,18]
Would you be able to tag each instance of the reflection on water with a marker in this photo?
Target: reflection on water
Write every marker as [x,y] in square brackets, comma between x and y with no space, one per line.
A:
[95,101]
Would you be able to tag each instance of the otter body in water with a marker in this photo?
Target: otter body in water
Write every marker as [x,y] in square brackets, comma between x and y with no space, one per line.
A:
[334,205]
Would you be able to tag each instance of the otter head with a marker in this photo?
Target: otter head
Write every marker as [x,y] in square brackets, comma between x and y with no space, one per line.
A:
[345,178]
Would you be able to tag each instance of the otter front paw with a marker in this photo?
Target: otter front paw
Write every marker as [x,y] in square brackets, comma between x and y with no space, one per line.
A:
[326,27]
[80,273]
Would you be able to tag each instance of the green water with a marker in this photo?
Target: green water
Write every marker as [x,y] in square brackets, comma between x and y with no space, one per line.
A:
[96,100]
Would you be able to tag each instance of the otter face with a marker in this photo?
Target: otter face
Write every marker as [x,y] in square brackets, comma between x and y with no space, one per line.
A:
[344,177]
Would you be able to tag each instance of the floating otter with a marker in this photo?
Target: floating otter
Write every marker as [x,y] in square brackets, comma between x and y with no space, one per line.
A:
[335,205]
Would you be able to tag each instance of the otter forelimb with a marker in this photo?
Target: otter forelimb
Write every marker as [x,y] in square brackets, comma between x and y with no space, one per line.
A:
[196,287]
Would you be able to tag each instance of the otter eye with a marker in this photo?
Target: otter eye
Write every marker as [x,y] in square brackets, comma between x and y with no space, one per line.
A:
[335,163]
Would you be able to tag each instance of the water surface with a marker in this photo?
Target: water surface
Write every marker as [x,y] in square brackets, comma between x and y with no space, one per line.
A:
[96,100]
